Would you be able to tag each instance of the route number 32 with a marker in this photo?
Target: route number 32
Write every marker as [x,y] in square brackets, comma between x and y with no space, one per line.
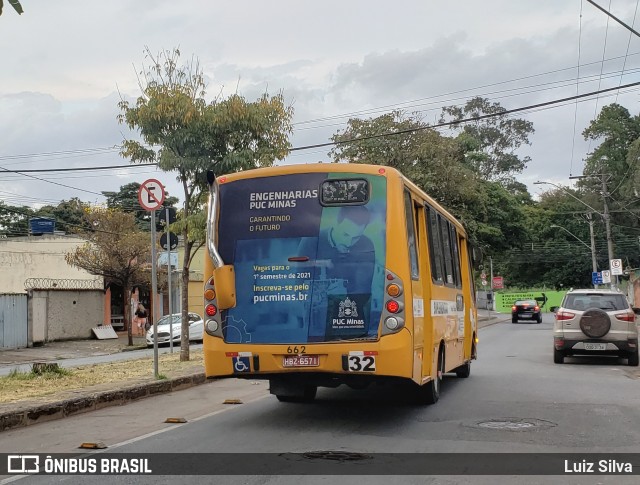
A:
[362,363]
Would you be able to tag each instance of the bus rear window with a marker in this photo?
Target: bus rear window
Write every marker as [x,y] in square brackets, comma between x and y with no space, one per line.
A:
[344,192]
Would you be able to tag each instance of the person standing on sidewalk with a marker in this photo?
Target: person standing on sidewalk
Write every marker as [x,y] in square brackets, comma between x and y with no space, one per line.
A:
[141,319]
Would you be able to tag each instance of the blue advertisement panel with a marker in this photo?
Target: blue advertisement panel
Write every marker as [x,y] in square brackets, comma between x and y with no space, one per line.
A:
[304,272]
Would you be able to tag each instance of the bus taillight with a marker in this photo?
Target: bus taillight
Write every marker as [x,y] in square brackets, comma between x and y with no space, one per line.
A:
[393,306]
[393,290]
[211,310]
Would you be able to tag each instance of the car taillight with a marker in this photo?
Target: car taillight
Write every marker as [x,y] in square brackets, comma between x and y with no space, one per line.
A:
[564,315]
[513,308]
[626,317]
[536,308]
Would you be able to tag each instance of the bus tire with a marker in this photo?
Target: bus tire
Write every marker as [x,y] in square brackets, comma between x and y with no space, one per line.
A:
[430,392]
[308,395]
[464,370]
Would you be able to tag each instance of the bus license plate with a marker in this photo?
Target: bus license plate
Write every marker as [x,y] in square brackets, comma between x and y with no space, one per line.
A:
[595,346]
[301,361]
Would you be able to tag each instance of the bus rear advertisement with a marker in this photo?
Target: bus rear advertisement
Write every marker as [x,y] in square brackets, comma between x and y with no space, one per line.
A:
[329,274]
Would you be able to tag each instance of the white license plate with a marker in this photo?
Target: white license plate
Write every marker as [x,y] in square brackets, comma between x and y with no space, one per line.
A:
[301,361]
[595,346]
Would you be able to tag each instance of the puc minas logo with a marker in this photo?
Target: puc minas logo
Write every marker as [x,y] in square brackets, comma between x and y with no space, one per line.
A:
[23,464]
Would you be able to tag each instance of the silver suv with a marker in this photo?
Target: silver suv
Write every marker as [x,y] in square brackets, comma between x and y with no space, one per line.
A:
[595,322]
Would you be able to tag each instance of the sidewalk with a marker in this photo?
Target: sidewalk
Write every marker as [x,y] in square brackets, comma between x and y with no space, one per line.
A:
[75,353]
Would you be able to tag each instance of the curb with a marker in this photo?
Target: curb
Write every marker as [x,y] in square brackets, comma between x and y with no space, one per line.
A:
[33,412]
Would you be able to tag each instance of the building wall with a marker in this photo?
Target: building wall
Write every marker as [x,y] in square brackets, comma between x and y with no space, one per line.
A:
[65,314]
[196,283]
[37,257]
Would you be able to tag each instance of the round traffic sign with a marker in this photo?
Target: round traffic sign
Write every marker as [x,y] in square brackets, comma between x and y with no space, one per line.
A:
[151,194]
[173,241]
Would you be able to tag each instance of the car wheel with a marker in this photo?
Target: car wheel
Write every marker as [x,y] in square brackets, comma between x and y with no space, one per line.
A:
[632,359]
[514,319]
[558,356]
[539,319]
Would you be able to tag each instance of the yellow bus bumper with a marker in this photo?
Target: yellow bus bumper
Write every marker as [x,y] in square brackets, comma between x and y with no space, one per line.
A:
[393,356]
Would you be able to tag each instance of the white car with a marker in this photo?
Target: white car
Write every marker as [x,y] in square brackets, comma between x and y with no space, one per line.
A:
[595,322]
[196,327]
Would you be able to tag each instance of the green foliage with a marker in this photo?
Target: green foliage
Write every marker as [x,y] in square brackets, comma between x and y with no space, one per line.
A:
[491,212]
[56,373]
[126,200]
[618,153]
[68,214]
[187,135]
[15,4]
[489,144]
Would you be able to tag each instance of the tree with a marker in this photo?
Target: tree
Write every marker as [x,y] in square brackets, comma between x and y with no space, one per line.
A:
[617,155]
[126,199]
[436,163]
[490,144]
[14,221]
[68,214]
[117,250]
[15,4]
[185,134]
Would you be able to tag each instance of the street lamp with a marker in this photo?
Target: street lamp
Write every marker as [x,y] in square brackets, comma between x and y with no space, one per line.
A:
[568,193]
[592,248]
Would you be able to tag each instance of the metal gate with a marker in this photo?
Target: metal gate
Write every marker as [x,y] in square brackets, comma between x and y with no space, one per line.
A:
[13,321]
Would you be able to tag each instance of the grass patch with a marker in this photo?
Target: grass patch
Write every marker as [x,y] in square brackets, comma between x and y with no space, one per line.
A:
[57,373]
[19,386]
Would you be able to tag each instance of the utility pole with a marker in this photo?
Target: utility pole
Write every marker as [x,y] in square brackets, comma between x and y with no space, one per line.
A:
[607,225]
[594,261]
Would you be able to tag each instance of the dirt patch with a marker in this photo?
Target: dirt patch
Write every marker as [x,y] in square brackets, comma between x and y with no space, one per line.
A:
[21,386]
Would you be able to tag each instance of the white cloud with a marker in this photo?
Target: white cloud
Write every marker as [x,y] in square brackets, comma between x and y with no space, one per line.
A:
[66,61]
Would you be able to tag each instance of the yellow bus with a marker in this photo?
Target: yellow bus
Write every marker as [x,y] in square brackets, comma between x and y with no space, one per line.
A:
[330,274]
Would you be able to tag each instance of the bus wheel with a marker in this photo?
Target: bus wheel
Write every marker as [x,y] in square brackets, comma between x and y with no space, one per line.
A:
[464,370]
[430,392]
[308,394]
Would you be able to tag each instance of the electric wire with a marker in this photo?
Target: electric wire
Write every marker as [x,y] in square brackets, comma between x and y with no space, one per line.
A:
[633,23]
[575,112]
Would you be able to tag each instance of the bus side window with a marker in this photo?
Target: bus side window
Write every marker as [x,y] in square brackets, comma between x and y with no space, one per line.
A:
[456,256]
[446,246]
[411,235]
[435,248]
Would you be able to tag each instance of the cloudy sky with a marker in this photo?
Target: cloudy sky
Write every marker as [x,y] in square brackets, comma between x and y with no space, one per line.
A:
[65,65]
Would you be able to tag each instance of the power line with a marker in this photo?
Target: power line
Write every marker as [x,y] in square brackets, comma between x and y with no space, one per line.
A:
[467,120]
[80,169]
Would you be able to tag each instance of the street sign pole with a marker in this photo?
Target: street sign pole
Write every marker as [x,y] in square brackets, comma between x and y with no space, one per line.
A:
[169,280]
[154,292]
[151,196]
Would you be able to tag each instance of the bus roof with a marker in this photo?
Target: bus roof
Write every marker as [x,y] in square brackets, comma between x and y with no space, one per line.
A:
[370,169]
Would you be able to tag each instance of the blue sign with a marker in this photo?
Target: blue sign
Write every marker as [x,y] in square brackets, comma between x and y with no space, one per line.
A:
[596,278]
[241,364]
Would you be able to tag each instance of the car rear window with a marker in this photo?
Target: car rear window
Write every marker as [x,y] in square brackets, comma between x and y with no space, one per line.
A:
[606,302]
[526,302]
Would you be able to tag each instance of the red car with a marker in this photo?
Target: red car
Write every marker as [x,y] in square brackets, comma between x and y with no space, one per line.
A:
[526,310]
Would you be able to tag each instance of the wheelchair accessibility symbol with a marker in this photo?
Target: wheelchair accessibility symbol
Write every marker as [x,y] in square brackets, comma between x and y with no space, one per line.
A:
[241,364]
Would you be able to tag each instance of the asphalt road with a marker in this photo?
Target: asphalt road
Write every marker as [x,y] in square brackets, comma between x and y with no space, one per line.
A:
[516,400]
